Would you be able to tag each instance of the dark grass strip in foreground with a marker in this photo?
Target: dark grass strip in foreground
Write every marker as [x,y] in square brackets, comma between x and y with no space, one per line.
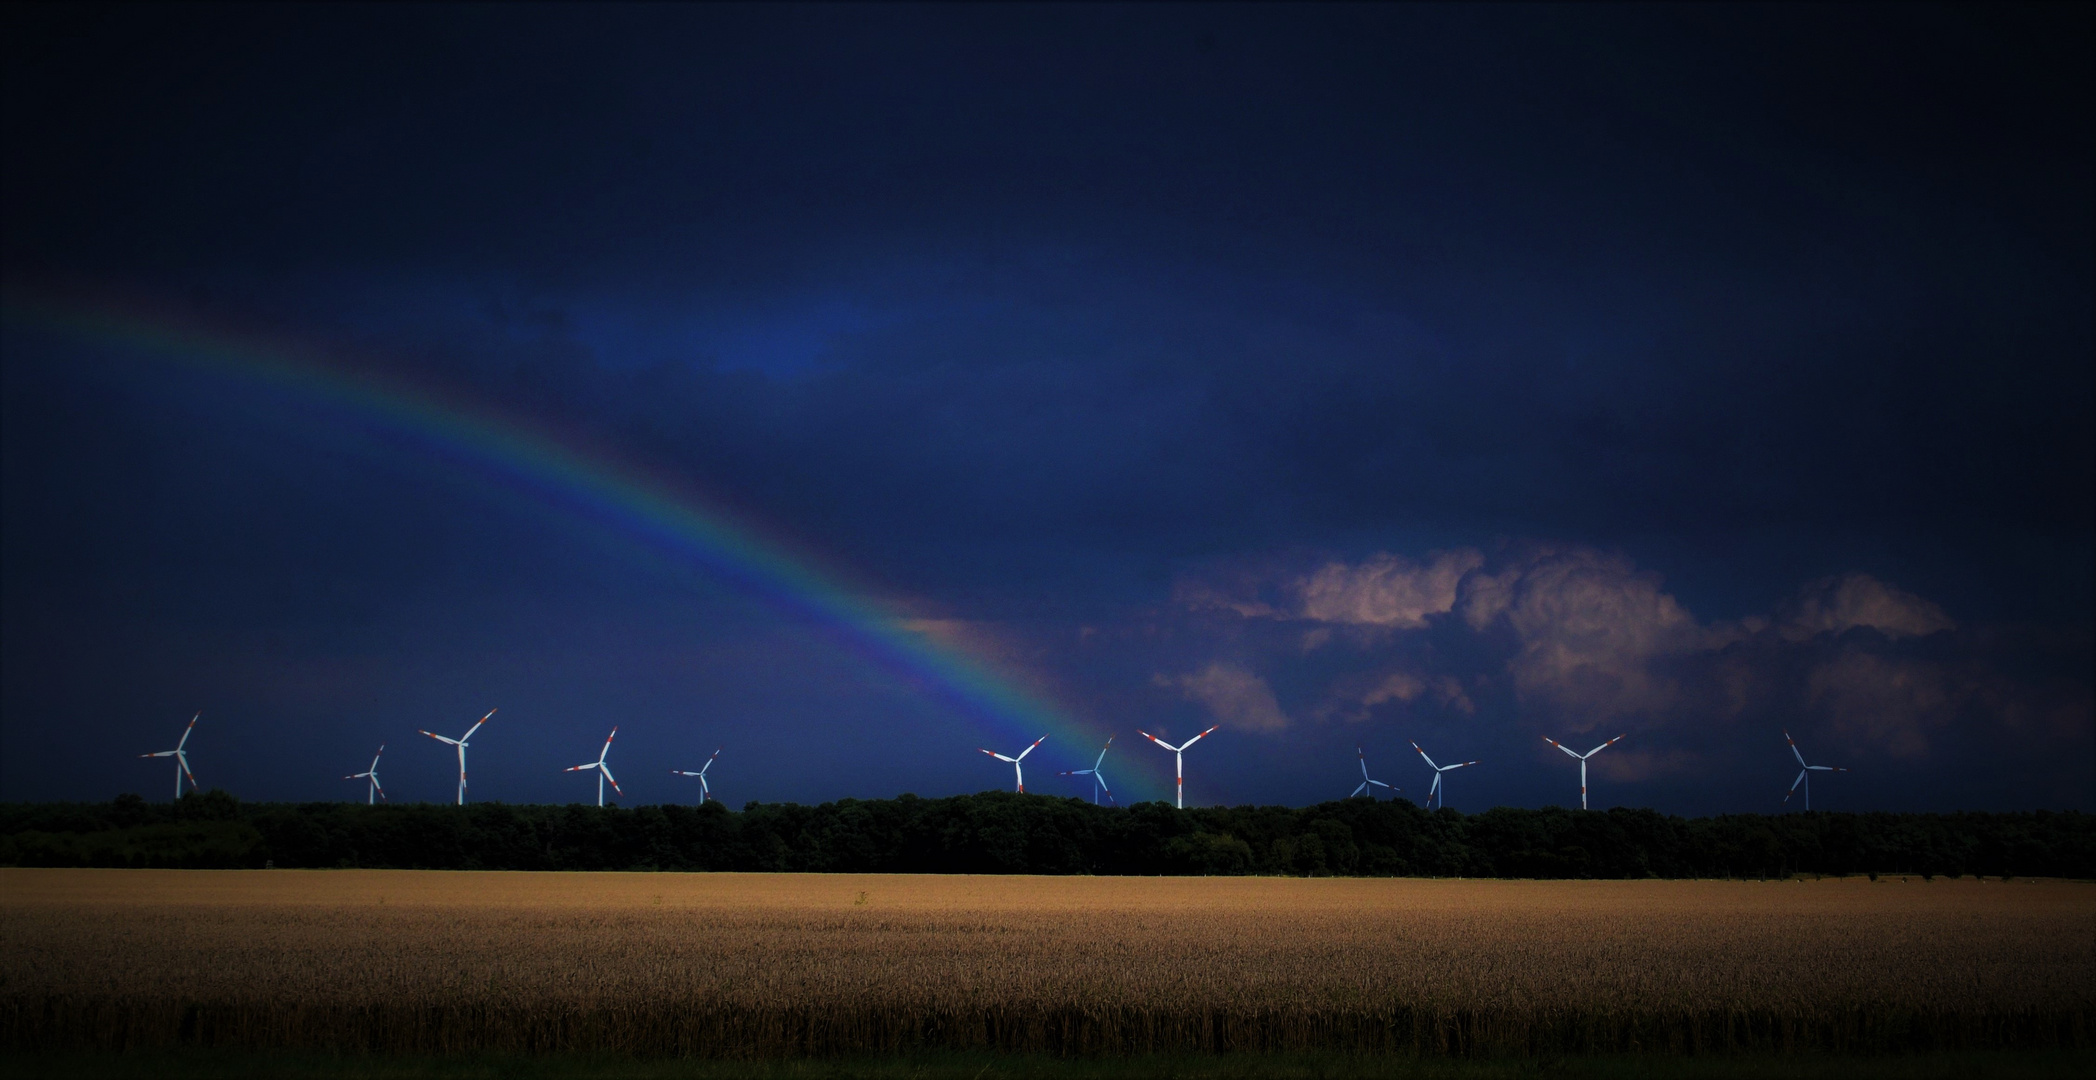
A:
[65,1023]
[227,1064]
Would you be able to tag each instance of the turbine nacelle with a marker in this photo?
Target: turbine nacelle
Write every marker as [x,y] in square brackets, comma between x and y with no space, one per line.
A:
[1804,772]
[1367,783]
[598,766]
[704,791]
[1435,790]
[1018,771]
[1098,777]
[376,792]
[1178,760]
[1583,762]
[460,744]
[181,758]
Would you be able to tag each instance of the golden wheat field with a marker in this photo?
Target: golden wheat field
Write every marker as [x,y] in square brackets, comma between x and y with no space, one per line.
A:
[756,965]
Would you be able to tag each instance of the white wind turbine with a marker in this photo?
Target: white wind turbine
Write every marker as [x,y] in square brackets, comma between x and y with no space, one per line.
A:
[181,759]
[460,742]
[1804,772]
[704,791]
[1583,762]
[1438,770]
[602,770]
[1017,770]
[376,792]
[1178,759]
[1365,781]
[1098,778]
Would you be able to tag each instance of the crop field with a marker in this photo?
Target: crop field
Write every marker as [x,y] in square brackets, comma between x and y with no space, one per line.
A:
[727,965]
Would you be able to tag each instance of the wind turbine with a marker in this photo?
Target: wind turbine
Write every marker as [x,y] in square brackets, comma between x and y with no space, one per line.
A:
[181,759]
[1583,762]
[704,791]
[1098,778]
[1804,772]
[371,774]
[1018,770]
[602,770]
[1438,770]
[1178,758]
[1365,781]
[460,742]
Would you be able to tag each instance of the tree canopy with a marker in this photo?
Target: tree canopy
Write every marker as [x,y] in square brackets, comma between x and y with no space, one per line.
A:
[1005,833]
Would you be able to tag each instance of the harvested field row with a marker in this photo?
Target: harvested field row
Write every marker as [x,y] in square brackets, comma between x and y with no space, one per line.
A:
[769,965]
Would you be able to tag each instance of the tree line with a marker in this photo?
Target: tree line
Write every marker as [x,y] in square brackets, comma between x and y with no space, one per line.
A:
[1005,833]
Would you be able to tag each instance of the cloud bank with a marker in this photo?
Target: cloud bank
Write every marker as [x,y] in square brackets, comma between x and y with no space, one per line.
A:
[1575,641]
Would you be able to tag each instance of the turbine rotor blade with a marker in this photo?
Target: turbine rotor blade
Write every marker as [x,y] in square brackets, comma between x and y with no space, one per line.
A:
[1794,751]
[476,726]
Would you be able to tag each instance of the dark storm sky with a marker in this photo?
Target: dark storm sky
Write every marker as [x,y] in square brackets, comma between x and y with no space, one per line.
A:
[1338,375]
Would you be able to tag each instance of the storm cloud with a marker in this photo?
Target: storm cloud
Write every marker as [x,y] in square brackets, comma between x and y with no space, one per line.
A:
[1341,375]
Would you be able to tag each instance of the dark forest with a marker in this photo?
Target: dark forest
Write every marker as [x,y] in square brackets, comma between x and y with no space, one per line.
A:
[1003,833]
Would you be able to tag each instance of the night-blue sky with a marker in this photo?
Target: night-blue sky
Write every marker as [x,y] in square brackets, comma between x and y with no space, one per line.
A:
[1339,375]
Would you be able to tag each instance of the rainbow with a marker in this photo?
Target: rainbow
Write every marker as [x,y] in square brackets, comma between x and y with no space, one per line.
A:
[563,475]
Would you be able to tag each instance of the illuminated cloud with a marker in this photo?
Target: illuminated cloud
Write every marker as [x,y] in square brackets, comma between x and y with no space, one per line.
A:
[1386,590]
[1353,700]
[1890,702]
[1237,697]
[1832,605]
[1589,626]
[1582,638]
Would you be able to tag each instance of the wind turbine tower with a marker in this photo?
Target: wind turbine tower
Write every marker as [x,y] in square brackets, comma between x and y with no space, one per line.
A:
[460,743]
[704,791]
[1583,762]
[1804,772]
[181,759]
[1178,759]
[1098,778]
[1438,770]
[1365,781]
[602,770]
[376,792]
[1018,771]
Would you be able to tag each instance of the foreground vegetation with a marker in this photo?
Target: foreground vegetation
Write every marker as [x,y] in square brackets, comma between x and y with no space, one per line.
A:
[223,1064]
[822,966]
[1002,833]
